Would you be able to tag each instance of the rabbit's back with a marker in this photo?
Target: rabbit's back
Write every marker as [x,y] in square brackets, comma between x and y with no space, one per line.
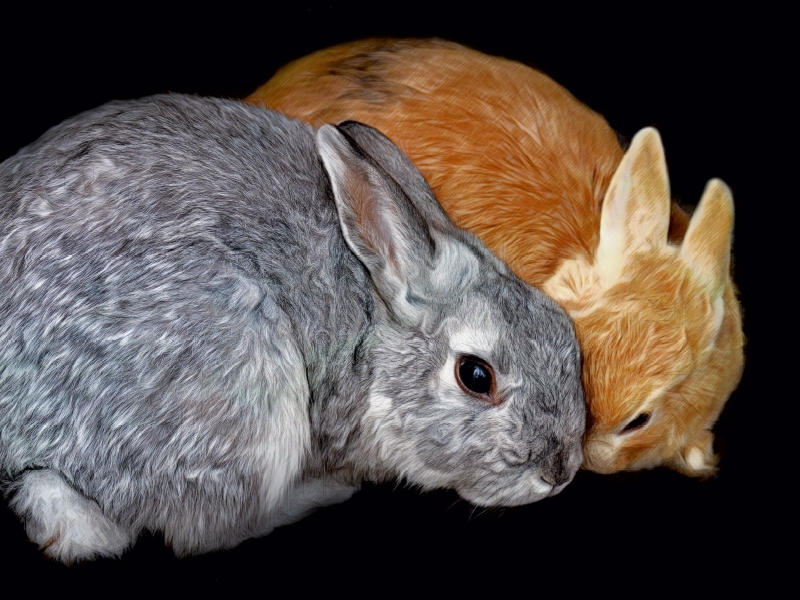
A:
[484,130]
[154,258]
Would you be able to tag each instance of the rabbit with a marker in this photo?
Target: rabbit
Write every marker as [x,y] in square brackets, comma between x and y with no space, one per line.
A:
[217,319]
[517,160]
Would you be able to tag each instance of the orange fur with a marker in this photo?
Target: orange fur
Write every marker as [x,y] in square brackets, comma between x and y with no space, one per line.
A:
[516,159]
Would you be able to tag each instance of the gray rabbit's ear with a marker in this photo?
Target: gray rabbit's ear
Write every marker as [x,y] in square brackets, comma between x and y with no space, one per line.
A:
[379,222]
[400,168]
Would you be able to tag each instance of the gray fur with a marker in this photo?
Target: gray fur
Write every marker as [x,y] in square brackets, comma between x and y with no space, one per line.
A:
[193,342]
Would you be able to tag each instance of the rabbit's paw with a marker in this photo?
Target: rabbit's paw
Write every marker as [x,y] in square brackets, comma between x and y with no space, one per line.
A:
[66,525]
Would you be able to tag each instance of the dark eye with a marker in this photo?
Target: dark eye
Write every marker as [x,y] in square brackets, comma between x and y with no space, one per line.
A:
[475,377]
[637,422]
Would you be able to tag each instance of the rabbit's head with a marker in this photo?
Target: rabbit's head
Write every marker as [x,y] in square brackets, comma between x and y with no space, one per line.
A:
[659,324]
[474,375]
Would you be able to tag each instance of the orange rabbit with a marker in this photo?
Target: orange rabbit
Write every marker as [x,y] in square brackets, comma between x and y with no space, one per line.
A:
[543,181]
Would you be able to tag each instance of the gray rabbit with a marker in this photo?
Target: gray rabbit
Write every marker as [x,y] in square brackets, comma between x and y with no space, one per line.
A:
[216,319]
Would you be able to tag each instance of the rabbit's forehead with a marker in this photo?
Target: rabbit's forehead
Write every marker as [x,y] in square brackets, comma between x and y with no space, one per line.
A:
[644,348]
[662,278]
[479,339]
[622,380]
[480,330]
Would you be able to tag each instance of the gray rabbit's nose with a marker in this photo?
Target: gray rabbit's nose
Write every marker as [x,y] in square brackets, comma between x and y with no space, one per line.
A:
[555,478]
[557,470]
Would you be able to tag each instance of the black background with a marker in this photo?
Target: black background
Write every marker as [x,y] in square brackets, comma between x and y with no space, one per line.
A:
[713,84]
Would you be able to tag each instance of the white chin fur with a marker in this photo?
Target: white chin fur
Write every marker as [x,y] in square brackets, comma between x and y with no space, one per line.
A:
[528,489]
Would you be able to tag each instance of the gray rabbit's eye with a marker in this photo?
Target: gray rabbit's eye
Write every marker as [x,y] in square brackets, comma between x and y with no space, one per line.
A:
[636,423]
[476,378]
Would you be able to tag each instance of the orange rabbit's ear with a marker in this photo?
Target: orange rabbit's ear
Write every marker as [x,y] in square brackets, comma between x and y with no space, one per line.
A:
[707,245]
[635,214]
